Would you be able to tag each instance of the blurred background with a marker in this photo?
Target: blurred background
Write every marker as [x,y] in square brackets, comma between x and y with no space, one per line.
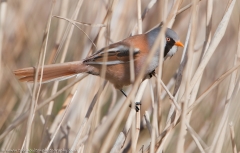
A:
[23,31]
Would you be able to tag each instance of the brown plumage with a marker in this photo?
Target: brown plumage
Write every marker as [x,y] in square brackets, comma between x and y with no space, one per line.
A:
[51,72]
[118,60]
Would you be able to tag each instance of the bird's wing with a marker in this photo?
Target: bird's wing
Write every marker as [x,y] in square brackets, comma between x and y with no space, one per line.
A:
[117,53]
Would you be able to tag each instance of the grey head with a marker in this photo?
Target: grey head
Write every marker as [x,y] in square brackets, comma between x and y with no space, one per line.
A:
[171,41]
[170,48]
[153,34]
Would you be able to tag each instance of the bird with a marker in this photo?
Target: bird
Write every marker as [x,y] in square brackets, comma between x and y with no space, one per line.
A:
[117,63]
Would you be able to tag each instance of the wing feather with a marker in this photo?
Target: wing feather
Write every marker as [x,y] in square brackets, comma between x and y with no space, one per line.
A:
[116,54]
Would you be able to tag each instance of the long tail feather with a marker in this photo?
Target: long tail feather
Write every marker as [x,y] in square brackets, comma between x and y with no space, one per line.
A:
[52,72]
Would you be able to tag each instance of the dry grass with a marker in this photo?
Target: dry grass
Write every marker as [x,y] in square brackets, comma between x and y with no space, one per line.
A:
[86,114]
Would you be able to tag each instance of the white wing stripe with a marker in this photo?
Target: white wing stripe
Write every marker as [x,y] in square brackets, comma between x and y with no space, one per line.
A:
[107,63]
[120,48]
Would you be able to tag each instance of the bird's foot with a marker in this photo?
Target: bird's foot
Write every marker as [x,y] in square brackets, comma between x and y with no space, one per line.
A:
[153,73]
[136,106]
[136,103]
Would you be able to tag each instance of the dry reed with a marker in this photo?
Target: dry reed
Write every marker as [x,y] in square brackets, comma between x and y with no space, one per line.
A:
[85,113]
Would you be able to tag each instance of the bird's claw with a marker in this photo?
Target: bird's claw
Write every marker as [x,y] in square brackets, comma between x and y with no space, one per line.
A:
[153,73]
[136,106]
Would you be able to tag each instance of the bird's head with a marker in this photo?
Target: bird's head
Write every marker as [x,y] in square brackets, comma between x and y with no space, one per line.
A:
[172,42]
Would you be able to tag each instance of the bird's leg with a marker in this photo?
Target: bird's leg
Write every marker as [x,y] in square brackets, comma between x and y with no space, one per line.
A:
[123,93]
[136,103]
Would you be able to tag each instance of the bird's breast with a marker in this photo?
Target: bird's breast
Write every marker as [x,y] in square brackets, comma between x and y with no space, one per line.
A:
[153,64]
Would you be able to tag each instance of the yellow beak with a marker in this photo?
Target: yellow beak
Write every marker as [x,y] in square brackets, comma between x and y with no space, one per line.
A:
[178,43]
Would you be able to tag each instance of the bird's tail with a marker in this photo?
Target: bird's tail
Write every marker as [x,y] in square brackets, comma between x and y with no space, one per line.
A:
[51,72]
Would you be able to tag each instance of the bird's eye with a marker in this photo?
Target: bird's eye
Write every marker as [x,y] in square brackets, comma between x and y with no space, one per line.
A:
[168,39]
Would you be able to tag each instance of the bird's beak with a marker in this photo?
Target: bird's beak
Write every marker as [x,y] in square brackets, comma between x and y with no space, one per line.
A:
[178,43]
